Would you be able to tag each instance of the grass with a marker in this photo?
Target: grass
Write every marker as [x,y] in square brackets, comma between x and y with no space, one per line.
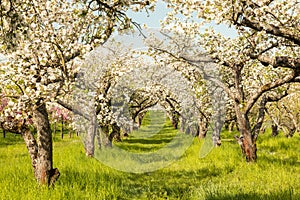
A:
[223,174]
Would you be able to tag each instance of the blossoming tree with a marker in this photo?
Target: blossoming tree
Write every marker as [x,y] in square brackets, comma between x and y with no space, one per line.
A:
[261,58]
[43,42]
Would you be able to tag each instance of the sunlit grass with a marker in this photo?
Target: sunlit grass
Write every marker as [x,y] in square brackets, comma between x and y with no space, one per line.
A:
[223,174]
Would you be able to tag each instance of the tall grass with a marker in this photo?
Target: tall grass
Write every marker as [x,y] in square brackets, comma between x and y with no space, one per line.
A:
[223,174]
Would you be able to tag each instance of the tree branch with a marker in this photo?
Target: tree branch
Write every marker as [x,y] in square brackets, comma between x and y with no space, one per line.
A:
[73,109]
[260,118]
[267,87]
[279,61]
[283,32]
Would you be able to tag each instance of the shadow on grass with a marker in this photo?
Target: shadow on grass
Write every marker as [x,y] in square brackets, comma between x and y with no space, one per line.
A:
[161,184]
[155,185]
[101,184]
[151,131]
[165,184]
[188,185]
[291,160]
[144,145]
[284,195]
[147,141]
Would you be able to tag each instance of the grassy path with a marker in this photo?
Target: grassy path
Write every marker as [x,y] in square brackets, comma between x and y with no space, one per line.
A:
[154,133]
[221,175]
[154,146]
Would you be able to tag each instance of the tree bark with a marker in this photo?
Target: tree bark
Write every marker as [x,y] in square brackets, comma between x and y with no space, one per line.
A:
[203,126]
[248,137]
[182,124]
[32,147]
[140,118]
[70,133]
[175,119]
[291,129]
[274,130]
[104,131]
[44,172]
[246,140]
[116,133]
[89,141]
[250,147]
[62,128]
[54,129]
[40,149]
[231,126]
[98,139]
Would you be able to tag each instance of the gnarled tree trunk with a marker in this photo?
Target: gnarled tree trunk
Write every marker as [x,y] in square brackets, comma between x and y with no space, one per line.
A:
[246,140]
[44,172]
[40,149]
[32,147]
[248,146]
[248,137]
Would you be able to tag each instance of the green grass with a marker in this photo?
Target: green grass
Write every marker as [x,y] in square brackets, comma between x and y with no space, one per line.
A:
[156,131]
[223,174]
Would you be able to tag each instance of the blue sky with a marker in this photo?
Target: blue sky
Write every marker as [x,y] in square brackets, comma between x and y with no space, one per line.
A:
[152,20]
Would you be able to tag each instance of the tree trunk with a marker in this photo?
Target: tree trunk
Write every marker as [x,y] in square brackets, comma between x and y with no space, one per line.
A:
[175,119]
[263,130]
[116,133]
[104,132]
[89,140]
[203,127]
[248,146]
[182,124]
[226,125]
[54,129]
[44,172]
[62,128]
[216,134]
[291,129]
[40,149]
[247,141]
[274,130]
[231,126]
[98,139]
[140,118]
[32,148]
[248,137]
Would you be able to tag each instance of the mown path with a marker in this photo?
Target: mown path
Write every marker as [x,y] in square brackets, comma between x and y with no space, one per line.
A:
[153,146]
[156,131]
